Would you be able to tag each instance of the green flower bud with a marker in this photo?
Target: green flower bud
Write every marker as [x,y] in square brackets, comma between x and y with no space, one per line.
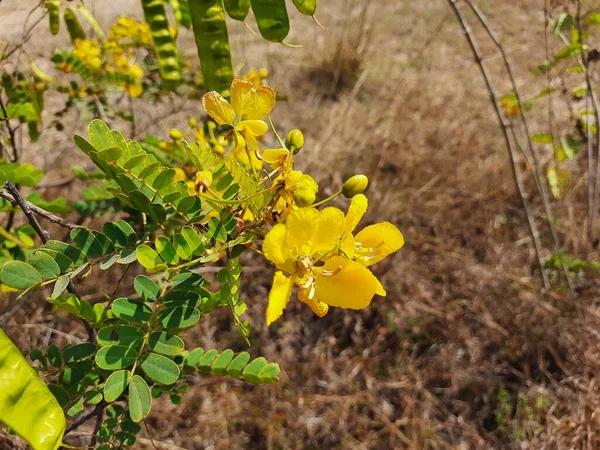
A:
[294,141]
[175,134]
[355,185]
[304,197]
[192,122]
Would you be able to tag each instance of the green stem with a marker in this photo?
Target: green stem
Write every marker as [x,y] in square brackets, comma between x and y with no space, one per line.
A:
[331,197]
[276,134]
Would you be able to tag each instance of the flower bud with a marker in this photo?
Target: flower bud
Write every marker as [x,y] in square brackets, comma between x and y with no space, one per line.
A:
[175,134]
[355,185]
[294,141]
[192,122]
[304,197]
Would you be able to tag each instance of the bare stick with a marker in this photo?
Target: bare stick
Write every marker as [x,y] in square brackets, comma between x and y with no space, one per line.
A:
[25,207]
[504,126]
[34,209]
[539,180]
[11,133]
[593,176]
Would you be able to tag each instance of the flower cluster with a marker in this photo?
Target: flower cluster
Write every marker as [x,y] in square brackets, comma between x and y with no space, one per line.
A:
[313,249]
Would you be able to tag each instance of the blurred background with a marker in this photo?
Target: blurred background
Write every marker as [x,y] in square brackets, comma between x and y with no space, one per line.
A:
[468,350]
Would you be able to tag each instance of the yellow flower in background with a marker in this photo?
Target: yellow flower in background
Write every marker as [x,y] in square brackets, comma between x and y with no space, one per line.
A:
[89,52]
[307,249]
[130,28]
[246,113]
[256,77]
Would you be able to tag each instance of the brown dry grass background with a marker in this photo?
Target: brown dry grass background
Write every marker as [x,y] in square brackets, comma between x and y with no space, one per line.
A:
[466,352]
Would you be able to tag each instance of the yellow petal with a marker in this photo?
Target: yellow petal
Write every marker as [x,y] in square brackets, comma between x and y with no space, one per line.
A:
[356,210]
[275,157]
[262,102]
[240,142]
[240,92]
[319,308]
[256,127]
[329,233]
[218,108]
[346,284]
[378,242]
[302,226]
[347,246]
[274,245]
[279,296]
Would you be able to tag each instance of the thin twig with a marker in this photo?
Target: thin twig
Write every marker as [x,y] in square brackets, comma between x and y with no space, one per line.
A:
[37,210]
[18,199]
[593,175]
[541,185]
[504,126]
[11,132]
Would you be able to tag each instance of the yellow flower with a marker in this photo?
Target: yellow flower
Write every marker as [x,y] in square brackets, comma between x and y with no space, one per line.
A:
[374,242]
[289,183]
[88,51]
[246,113]
[307,248]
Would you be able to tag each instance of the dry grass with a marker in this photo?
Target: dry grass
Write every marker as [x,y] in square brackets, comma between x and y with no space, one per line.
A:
[466,352]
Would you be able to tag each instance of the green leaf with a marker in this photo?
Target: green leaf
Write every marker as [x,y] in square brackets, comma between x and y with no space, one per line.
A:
[178,317]
[147,257]
[87,242]
[75,373]
[73,253]
[116,384]
[75,409]
[140,399]
[19,275]
[160,368]
[236,367]
[61,396]
[124,335]
[78,352]
[132,311]
[121,233]
[44,264]
[92,397]
[205,362]
[269,373]
[193,357]
[115,357]
[165,343]
[182,247]
[194,240]
[163,179]
[542,138]
[594,19]
[55,356]
[563,23]
[146,288]
[220,364]
[166,250]
[181,298]
[252,370]
[59,287]
[63,262]
[570,146]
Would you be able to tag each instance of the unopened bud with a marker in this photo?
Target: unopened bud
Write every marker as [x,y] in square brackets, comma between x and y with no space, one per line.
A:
[304,197]
[294,141]
[175,134]
[192,122]
[355,185]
